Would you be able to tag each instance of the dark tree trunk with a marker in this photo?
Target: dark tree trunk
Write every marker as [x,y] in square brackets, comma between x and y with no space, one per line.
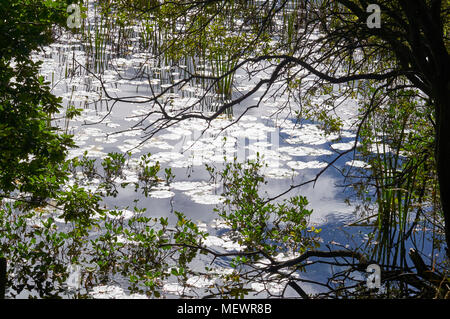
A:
[431,60]
[442,106]
[3,277]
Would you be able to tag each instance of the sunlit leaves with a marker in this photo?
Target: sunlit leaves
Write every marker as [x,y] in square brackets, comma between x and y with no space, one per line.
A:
[257,223]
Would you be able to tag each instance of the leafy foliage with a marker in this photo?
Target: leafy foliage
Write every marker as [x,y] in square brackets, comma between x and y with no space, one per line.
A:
[258,224]
[32,149]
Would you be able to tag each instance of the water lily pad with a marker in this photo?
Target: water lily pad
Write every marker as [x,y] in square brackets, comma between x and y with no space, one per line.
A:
[306,165]
[356,163]
[161,194]
[200,281]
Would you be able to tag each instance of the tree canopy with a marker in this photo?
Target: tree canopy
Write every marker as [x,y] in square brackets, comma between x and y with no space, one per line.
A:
[32,149]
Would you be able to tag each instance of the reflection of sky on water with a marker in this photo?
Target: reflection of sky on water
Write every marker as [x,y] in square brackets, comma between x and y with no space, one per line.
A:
[325,198]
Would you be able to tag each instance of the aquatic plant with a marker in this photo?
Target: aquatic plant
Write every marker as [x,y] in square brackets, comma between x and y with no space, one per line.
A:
[394,141]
